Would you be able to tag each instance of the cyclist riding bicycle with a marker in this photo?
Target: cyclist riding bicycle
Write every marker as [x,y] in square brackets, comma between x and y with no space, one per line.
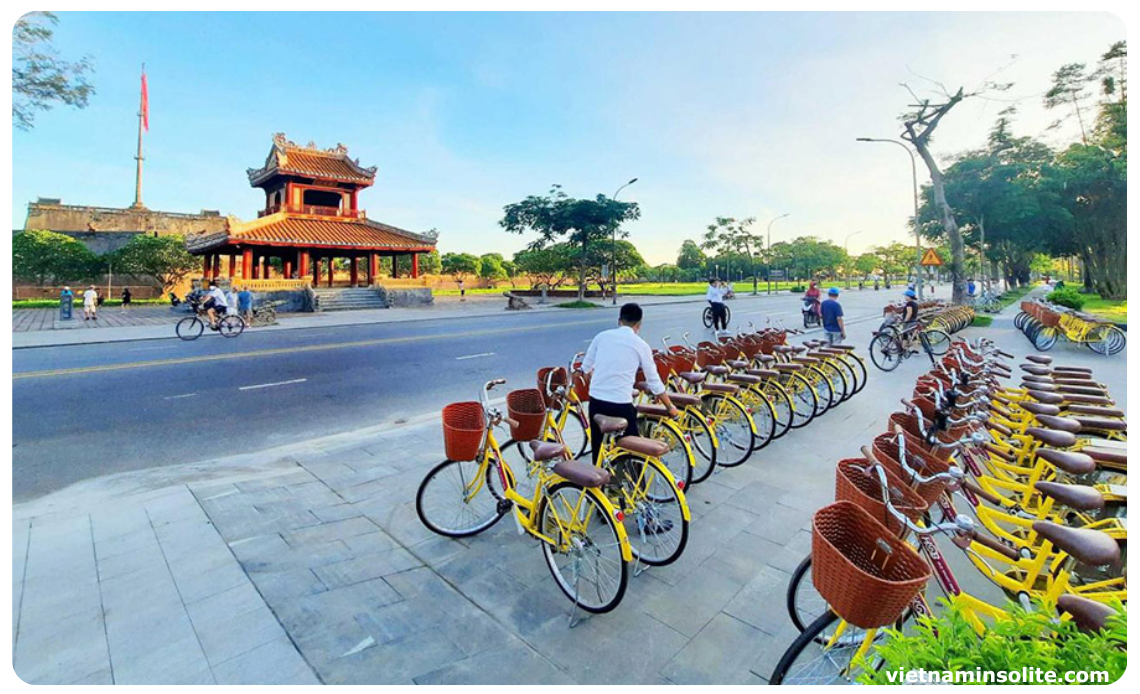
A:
[215,303]
[715,296]
[909,320]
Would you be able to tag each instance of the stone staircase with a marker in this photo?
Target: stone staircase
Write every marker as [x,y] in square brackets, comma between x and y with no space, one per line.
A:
[348,299]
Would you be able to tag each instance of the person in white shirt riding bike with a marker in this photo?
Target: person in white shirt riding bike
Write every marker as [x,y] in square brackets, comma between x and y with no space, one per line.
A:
[715,296]
[613,358]
[215,303]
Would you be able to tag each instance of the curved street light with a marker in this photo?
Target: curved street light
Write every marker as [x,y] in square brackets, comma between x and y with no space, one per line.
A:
[914,183]
[613,257]
[769,249]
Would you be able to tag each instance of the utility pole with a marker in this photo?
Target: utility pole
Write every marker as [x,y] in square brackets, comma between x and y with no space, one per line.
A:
[144,122]
[613,256]
[769,249]
[914,183]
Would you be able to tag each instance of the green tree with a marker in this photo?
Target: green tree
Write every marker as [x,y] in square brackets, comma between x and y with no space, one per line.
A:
[601,253]
[460,265]
[1070,90]
[807,257]
[40,77]
[163,259]
[491,268]
[430,263]
[544,267]
[866,264]
[728,235]
[512,271]
[556,216]
[666,272]
[690,257]
[39,256]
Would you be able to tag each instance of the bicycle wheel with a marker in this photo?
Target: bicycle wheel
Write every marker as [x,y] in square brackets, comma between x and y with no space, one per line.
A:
[822,386]
[939,341]
[587,562]
[1045,338]
[886,351]
[763,417]
[733,428]
[849,374]
[837,379]
[1019,319]
[727,316]
[858,369]
[575,431]
[679,459]
[653,509]
[707,316]
[231,326]
[189,328]
[701,440]
[782,405]
[454,502]
[1117,341]
[805,400]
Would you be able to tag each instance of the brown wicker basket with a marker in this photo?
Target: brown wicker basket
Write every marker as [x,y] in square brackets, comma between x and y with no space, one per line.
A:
[582,385]
[856,484]
[886,448]
[557,377]
[464,428]
[865,574]
[528,410]
[909,423]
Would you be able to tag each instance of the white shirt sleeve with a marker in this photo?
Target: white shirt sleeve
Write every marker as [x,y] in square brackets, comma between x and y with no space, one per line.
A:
[645,356]
[591,355]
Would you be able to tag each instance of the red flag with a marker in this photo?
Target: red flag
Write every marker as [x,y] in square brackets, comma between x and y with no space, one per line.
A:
[144,109]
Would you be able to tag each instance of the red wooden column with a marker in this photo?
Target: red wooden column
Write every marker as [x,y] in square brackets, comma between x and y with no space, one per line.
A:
[415,265]
[287,265]
[316,272]
[256,265]
[217,271]
[206,264]
[395,268]
[354,270]
[373,266]
[332,271]
[303,265]
[232,265]
[247,264]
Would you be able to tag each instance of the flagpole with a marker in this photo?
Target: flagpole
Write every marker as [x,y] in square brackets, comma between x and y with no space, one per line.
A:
[139,155]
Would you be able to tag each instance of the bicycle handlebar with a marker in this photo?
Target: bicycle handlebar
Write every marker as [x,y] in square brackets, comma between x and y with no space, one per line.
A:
[954,474]
[960,524]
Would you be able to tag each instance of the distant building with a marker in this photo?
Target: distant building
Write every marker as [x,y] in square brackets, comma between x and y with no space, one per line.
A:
[106,229]
[311,218]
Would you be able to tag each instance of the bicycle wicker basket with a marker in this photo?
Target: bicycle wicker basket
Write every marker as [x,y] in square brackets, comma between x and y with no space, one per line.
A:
[557,377]
[464,427]
[910,425]
[854,482]
[528,410]
[582,385]
[865,574]
[886,449]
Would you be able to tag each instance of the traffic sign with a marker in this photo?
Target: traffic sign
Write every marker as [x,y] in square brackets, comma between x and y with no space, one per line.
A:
[931,258]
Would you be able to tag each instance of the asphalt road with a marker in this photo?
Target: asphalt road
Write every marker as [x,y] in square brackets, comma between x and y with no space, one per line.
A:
[86,411]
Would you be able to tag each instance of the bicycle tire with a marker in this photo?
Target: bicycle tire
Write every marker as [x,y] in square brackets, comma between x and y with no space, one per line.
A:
[807,639]
[189,328]
[613,540]
[886,351]
[701,439]
[231,326]
[939,341]
[485,520]
[575,431]
[851,376]
[859,367]
[680,458]
[707,317]
[837,379]
[733,426]
[822,386]
[804,401]
[1045,338]
[782,405]
[658,501]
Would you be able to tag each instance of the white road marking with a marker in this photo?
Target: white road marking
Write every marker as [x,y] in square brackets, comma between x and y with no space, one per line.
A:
[271,385]
[147,349]
[476,356]
[179,397]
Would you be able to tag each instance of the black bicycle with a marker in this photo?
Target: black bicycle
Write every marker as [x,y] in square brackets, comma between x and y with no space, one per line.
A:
[889,344]
[192,327]
[708,316]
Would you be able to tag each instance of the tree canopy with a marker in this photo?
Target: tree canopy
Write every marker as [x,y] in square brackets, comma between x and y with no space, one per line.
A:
[460,265]
[40,77]
[163,259]
[41,256]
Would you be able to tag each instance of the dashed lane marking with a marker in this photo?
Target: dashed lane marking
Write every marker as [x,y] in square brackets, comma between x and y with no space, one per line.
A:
[274,385]
[475,356]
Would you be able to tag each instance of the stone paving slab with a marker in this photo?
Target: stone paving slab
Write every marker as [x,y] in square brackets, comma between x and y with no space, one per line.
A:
[308,564]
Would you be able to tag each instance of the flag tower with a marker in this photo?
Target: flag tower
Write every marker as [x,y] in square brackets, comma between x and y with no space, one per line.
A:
[144,124]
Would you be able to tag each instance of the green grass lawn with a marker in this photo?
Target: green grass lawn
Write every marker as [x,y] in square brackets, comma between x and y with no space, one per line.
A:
[78,301]
[1015,295]
[1115,310]
[578,304]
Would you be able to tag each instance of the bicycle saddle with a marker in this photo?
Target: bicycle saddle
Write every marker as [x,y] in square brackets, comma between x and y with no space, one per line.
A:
[788,367]
[582,474]
[1088,615]
[1107,456]
[716,369]
[1059,423]
[1050,437]
[1097,424]
[610,425]
[1096,411]
[762,373]
[1039,358]
[644,446]
[1087,399]
[653,410]
[720,388]
[1090,547]
[1038,408]
[1071,462]
[743,378]
[805,360]
[692,376]
[739,363]
[1075,496]
[684,399]
[1072,369]
[547,450]
[1035,369]
[766,358]
[1046,398]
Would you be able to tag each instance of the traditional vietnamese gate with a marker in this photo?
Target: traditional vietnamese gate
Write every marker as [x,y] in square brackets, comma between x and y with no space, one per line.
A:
[311,220]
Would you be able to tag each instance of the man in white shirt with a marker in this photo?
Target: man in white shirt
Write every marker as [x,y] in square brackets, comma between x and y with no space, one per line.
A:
[215,302]
[612,360]
[90,304]
[715,297]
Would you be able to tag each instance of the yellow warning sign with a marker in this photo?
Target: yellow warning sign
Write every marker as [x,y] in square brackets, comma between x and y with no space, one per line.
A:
[931,258]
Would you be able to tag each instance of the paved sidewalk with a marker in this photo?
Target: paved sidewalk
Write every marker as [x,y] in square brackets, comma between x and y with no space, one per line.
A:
[307,563]
[156,326]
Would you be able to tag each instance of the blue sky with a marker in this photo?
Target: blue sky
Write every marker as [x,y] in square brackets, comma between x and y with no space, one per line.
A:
[716,114]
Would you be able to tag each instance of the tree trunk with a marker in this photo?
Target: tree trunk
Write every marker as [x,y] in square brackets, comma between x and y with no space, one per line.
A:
[957,248]
[582,275]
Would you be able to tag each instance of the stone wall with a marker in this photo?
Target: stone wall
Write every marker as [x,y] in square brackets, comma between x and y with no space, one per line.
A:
[405,298]
[105,229]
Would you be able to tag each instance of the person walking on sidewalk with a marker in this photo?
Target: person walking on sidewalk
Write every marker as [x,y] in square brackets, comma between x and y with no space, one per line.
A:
[612,360]
[462,291]
[126,299]
[245,304]
[90,303]
[832,313]
[715,296]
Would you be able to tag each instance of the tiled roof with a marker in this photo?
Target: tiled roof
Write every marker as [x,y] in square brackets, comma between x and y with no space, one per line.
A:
[290,159]
[307,230]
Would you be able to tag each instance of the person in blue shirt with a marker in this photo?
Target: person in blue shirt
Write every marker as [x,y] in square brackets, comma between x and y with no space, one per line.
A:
[832,314]
[245,304]
[971,287]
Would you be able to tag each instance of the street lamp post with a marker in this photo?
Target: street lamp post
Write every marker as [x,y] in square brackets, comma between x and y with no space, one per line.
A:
[914,183]
[769,249]
[613,256]
[847,284]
